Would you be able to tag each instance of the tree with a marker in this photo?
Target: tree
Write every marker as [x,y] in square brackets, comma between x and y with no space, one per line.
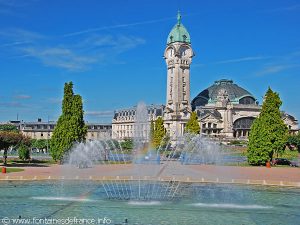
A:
[159,133]
[8,139]
[79,128]
[24,152]
[39,143]
[268,133]
[192,126]
[127,144]
[293,141]
[8,127]
[151,135]
[70,127]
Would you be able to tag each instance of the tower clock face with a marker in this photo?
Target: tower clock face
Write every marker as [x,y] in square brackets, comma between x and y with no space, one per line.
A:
[170,52]
[185,52]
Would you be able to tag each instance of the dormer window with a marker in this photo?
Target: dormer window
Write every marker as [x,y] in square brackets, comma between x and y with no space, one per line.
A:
[184,37]
[171,38]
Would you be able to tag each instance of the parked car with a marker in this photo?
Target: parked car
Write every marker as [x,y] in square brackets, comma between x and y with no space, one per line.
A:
[282,161]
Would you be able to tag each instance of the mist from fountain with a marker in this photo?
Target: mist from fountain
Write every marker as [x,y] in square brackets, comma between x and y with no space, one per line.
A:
[149,165]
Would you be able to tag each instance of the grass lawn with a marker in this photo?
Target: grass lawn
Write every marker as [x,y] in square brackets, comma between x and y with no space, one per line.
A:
[288,154]
[241,164]
[15,162]
[13,170]
[33,161]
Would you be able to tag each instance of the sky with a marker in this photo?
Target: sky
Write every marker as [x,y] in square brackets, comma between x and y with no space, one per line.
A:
[113,52]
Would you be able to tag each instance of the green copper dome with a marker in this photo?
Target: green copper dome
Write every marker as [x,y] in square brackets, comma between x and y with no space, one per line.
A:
[179,33]
[236,94]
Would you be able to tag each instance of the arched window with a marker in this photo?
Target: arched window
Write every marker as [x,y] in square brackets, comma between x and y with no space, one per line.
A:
[243,123]
[247,100]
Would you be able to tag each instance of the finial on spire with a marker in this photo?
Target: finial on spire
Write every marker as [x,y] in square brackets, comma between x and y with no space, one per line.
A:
[178,18]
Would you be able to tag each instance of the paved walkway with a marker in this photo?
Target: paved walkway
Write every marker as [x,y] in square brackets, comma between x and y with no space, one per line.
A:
[259,175]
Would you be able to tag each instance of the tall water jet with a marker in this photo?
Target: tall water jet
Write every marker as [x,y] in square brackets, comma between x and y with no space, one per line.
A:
[147,174]
[141,133]
[198,149]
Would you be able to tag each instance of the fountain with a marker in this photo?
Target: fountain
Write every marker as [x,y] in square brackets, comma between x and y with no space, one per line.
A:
[148,186]
[153,172]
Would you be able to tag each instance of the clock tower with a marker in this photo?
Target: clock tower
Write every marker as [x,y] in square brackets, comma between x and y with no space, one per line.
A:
[178,56]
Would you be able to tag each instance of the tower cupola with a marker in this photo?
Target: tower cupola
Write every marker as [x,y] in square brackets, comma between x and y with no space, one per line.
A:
[179,33]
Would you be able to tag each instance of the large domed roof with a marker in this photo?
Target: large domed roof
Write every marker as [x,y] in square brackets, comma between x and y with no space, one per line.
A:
[236,94]
[179,33]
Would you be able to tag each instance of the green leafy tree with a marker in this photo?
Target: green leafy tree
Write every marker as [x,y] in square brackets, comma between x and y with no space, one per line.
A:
[192,126]
[77,124]
[268,133]
[151,135]
[293,141]
[24,152]
[127,144]
[159,133]
[39,143]
[8,127]
[8,139]
[70,127]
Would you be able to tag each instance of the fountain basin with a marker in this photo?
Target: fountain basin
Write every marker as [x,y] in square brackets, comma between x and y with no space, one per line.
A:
[199,203]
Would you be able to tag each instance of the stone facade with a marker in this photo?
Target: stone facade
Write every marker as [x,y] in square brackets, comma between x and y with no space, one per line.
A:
[124,122]
[224,109]
[178,58]
[44,130]
[227,110]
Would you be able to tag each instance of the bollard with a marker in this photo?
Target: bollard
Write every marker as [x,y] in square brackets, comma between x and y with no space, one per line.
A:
[3,169]
[268,164]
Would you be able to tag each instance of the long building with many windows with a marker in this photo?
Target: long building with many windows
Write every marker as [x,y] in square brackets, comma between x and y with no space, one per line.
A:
[44,129]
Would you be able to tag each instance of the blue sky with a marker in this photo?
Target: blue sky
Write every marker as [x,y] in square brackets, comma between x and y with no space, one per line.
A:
[112,51]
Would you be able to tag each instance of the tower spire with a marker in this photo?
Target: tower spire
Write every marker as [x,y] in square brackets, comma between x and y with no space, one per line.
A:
[178,18]
[178,56]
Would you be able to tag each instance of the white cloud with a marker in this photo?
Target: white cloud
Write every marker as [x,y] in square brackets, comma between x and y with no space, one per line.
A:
[14,43]
[12,104]
[55,100]
[81,32]
[113,44]
[280,63]
[22,96]
[272,69]
[20,36]
[60,57]
[13,7]
[284,8]
[243,59]
[76,56]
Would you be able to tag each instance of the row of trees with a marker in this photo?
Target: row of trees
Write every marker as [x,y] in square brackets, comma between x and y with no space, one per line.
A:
[70,129]
[268,136]
[10,137]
